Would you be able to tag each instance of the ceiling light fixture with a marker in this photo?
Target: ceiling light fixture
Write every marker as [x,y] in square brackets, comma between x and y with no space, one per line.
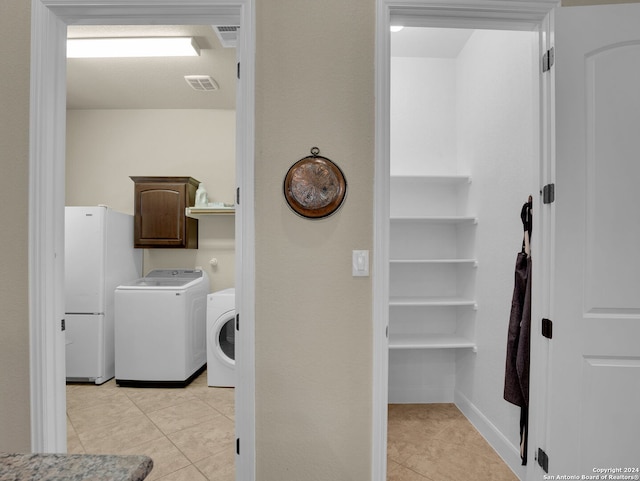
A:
[132,47]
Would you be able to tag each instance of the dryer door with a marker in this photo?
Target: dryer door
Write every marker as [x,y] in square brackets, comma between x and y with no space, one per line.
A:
[224,330]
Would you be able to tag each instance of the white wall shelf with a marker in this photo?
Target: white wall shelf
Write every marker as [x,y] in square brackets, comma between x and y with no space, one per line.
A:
[433,264]
[472,262]
[197,212]
[432,302]
[437,219]
[444,179]
[432,341]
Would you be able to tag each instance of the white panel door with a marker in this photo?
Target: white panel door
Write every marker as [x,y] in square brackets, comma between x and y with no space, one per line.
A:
[594,384]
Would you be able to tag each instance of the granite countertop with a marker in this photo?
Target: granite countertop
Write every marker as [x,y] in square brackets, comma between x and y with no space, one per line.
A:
[73,467]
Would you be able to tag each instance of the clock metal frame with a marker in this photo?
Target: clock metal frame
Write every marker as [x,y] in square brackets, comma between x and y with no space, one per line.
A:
[315,187]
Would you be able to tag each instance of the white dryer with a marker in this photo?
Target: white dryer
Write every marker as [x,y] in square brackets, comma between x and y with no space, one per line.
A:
[221,330]
[160,328]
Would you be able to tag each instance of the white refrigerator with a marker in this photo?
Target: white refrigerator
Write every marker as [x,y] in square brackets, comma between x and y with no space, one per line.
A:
[99,256]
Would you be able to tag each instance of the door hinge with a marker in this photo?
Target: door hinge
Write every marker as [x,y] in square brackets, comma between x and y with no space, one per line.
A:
[237,322]
[549,194]
[63,325]
[543,460]
[238,71]
[238,195]
[238,446]
[547,328]
[548,59]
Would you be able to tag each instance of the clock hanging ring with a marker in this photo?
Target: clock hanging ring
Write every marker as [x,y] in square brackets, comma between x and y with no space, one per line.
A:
[314,186]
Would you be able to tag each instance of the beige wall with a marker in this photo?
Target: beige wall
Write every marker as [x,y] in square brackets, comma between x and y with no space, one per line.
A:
[14,159]
[314,87]
[106,147]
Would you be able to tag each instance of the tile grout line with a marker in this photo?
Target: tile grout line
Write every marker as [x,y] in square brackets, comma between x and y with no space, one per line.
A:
[166,435]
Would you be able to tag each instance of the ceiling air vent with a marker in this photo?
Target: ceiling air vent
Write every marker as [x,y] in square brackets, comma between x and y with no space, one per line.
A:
[201,82]
[227,34]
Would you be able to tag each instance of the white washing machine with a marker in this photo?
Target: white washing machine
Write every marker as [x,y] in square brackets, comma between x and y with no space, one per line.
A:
[160,328]
[221,331]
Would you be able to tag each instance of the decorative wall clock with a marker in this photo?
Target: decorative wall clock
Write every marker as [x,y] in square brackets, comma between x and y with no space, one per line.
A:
[315,187]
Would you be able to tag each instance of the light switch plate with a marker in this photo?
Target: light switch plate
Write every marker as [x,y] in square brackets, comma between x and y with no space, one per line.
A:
[360,263]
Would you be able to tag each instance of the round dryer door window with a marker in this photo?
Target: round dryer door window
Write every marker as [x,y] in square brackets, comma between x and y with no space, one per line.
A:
[227,339]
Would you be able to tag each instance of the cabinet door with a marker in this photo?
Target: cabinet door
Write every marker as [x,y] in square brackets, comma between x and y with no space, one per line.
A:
[160,216]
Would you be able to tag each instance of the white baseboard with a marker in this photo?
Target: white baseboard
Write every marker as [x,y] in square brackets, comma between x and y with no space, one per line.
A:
[509,453]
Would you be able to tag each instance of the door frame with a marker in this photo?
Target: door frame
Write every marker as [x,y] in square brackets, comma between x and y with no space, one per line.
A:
[491,14]
[49,20]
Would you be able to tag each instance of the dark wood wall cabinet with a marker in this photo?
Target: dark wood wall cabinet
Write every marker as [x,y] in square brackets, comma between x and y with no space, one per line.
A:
[159,218]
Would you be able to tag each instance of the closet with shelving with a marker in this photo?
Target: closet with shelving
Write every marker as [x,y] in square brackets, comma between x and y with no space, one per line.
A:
[432,263]
[464,159]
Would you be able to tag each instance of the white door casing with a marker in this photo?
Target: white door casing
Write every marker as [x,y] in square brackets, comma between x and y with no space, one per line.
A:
[46,199]
[594,386]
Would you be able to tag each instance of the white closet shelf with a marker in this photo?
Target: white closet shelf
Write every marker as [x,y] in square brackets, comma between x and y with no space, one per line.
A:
[430,341]
[435,261]
[445,179]
[438,219]
[432,302]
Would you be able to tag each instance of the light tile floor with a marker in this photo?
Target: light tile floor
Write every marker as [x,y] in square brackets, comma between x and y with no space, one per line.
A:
[189,434]
[435,442]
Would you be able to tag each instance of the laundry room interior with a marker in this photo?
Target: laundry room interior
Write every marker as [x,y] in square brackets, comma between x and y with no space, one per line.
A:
[137,120]
[464,159]
[133,130]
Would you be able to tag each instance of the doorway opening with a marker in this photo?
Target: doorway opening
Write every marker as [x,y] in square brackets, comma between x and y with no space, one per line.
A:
[47,200]
[464,153]
[141,117]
